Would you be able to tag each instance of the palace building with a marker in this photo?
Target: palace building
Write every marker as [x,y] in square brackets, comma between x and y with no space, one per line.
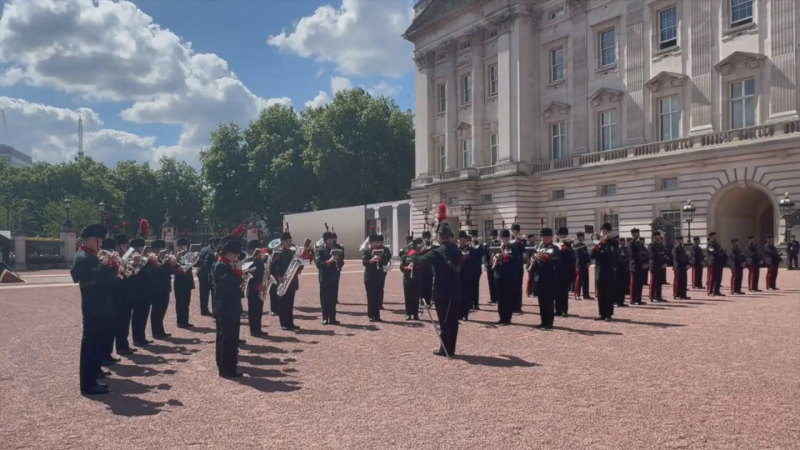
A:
[577,112]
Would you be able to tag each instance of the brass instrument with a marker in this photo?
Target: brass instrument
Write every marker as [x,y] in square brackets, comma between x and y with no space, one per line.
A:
[498,253]
[295,265]
[187,259]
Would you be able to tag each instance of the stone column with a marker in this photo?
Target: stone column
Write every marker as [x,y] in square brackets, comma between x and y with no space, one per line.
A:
[451,113]
[424,91]
[69,240]
[504,93]
[20,263]
[395,233]
[480,151]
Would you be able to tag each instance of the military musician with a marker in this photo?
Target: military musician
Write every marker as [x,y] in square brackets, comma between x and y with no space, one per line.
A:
[142,281]
[605,257]
[680,265]
[772,258]
[375,257]
[226,282]
[163,266]
[697,259]
[411,280]
[329,260]
[753,258]
[204,263]
[470,273]
[545,272]
[255,306]
[505,259]
[716,258]
[736,262]
[281,261]
[658,262]
[183,284]
[494,241]
[565,272]
[582,262]
[638,267]
[623,274]
[123,296]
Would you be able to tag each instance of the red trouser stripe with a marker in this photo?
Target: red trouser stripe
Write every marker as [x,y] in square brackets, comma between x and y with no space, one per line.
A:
[676,283]
[710,280]
[578,282]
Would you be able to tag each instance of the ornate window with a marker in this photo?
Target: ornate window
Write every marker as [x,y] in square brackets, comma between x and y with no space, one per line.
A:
[669,118]
[466,153]
[494,149]
[442,158]
[608,47]
[558,139]
[493,80]
[441,97]
[609,129]
[557,64]
[466,89]
[741,12]
[743,104]
[667,28]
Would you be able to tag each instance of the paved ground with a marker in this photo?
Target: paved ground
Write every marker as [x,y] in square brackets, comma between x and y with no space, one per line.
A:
[698,373]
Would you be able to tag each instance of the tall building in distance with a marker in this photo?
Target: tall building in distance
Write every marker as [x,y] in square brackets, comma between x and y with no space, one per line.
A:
[578,112]
[15,157]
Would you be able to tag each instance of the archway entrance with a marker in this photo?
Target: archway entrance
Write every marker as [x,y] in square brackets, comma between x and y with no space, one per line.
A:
[742,211]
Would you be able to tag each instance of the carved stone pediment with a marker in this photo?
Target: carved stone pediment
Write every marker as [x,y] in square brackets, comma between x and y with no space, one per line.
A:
[464,129]
[666,79]
[490,126]
[556,109]
[740,60]
[605,95]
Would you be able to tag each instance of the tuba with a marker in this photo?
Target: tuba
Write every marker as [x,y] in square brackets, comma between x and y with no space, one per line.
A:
[291,272]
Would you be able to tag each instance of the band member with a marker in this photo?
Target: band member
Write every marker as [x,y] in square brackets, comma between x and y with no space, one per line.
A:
[794,254]
[736,261]
[605,257]
[518,240]
[204,263]
[772,258]
[638,268]
[183,284]
[504,270]
[110,246]
[123,297]
[255,306]
[162,286]
[274,306]
[680,264]
[494,241]
[226,281]
[658,261]
[95,279]
[142,294]
[527,260]
[623,274]
[582,262]
[545,272]
[716,258]
[425,273]
[445,262]
[411,283]
[697,259]
[753,258]
[565,273]
[470,274]
[329,260]
[476,281]
[374,258]
[278,266]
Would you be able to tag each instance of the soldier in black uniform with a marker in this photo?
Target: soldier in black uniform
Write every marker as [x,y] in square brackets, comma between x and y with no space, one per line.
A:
[374,258]
[565,273]
[255,306]
[183,284]
[582,262]
[716,258]
[504,265]
[753,259]
[546,278]
[475,287]
[772,258]
[123,296]
[329,260]
[162,287]
[445,262]
[638,268]
[142,295]
[278,266]
[110,245]
[411,284]
[605,258]
[95,278]
[736,261]
[623,274]
[793,253]
[658,261]
[494,241]
[425,273]
[519,241]
[527,260]
[226,281]
[470,273]
[208,255]
[680,264]
[697,260]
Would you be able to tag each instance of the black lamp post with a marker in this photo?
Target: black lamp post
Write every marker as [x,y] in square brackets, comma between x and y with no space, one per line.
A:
[786,205]
[102,207]
[67,205]
[687,212]
[468,212]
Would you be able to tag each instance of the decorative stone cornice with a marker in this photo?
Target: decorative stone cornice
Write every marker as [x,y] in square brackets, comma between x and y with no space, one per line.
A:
[424,59]
[666,79]
[605,95]
[556,109]
[740,60]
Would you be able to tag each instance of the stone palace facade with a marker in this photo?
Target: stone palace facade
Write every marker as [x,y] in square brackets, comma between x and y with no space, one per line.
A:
[575,112]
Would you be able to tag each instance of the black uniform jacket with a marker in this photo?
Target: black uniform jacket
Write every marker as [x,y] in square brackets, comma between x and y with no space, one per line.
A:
[680,259]
[328,271]
[545,266]
[227,283]
[96,281]
[280,262]
[371,270]
[446,261]
[605,257]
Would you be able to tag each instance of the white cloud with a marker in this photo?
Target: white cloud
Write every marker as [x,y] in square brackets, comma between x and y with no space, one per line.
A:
[362,37]
[340,84]
[111,50]
[384,88]
[321,99]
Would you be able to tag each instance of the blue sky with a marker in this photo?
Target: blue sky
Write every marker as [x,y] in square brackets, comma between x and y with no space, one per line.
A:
[153,77]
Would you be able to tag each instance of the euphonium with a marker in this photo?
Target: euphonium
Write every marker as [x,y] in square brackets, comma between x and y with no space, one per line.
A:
[291,272]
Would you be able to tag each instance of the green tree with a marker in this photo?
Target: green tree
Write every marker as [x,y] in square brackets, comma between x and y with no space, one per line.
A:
[140,194]
[179,188]
[227,176]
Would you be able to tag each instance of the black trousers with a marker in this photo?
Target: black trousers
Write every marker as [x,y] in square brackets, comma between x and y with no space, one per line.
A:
[411,295]
[505,301]
[605,297]
[562,297]
[273,299]
[622,285]
[122,321]
[584,277]
[465,301]
[182,299]
[655,284]
[717,278]
[517,291]
[546,294]
[141,311]
[204,285]
[255,309]
[227,347]
[329,297]
[93,349]
[697,272]
[492,285]
[475,290]
[792,263]
[286,308]
[426,285]
[446,312]
[374,287]
[157,313]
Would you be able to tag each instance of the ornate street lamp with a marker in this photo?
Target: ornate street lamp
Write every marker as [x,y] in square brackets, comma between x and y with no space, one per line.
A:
[102,208]
[467,212]
[67,205]
[786,205]
[687,212]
